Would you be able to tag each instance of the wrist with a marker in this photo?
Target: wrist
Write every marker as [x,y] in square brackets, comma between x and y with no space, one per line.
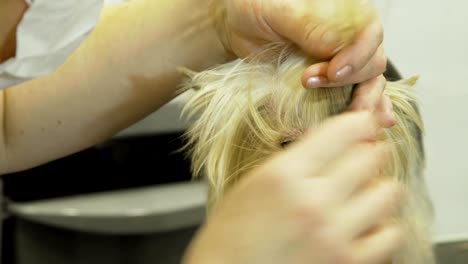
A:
[150,40]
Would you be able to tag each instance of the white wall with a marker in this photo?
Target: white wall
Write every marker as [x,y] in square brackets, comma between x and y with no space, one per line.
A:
[430,38]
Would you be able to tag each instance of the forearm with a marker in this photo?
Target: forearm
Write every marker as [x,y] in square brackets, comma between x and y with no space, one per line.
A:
[126,69]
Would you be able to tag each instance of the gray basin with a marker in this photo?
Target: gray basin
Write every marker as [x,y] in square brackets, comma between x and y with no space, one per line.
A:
[142,210]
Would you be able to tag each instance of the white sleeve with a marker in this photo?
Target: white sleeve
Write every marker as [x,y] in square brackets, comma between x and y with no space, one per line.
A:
[47,34]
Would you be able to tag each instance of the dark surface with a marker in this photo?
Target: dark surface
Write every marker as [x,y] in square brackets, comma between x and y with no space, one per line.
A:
[38,244]
[391,73]
[117,164]
[452,253]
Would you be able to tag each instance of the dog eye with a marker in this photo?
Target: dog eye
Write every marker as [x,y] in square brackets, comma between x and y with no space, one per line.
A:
[285,143]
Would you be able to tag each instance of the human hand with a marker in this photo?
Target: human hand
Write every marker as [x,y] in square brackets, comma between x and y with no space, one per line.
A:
[369,95]
[309,204]
[346,35]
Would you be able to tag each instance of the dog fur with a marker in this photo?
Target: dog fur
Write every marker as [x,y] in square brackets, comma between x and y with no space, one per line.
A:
[246,110]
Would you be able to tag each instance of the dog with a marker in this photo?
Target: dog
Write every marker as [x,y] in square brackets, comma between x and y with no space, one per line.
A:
[246,110]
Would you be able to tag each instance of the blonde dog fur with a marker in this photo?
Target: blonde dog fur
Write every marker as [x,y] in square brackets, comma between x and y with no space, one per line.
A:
[246,110]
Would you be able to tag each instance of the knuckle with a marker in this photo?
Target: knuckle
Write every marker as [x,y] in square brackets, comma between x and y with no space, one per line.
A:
[381,62]
[308,216]
[380,35]
[379,31]
[381,81]
[278,177]
[335,246]
[273,179]
[345,257]
[318,38]
[311,30]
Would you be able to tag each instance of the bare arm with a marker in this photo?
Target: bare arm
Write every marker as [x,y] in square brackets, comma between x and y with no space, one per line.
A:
[126,69]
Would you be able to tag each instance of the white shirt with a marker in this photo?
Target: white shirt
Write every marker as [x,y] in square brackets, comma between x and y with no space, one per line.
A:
[48,33]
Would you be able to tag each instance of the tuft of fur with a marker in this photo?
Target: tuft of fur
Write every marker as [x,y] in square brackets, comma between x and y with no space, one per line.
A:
[246,109]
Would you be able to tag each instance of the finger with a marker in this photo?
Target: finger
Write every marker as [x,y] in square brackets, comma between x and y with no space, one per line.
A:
[377,204]
[375,67]
[315,76]
[357,167]
[385,113]
[379,247]
[367,95]
[355,57]
[327,142]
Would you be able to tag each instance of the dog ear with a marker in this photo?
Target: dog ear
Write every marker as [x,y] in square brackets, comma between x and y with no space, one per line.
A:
[404,100]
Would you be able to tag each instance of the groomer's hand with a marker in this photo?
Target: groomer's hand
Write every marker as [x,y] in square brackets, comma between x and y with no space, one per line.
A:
[247,25]
[309,205]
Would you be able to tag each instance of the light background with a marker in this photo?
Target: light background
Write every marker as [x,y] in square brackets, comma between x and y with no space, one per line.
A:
[430,38]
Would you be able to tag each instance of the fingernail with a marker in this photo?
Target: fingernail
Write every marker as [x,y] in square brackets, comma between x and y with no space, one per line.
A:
[344,72]
[315,82]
